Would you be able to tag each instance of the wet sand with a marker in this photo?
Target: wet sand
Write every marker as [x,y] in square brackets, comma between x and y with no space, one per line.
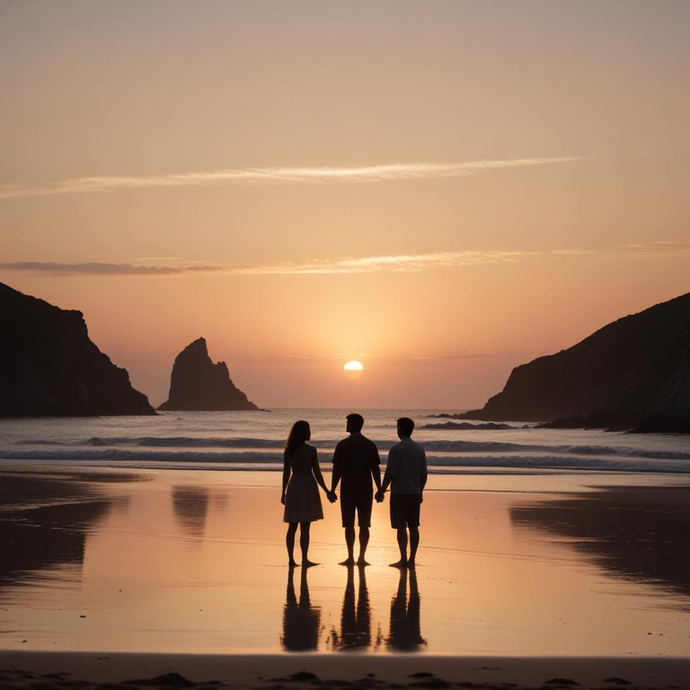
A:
[46,671]
[638,534]
[99,563]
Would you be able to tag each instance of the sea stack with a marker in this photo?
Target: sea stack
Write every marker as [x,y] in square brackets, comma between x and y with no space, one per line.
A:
[198,384]
[632,369]
[49,367]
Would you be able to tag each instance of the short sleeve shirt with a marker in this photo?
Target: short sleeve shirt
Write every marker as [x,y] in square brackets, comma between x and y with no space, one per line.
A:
[356,456]
[406,463]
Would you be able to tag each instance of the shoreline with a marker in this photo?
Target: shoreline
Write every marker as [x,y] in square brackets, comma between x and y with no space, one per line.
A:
[20,669]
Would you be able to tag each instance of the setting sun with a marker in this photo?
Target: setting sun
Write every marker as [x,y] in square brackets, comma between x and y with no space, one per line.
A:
[353,369]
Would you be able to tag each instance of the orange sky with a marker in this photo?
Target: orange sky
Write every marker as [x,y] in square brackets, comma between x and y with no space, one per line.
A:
[440,190]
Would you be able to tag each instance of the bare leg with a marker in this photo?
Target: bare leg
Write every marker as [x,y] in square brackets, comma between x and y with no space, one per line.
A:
[414,544]
[402,545]
[304,543]
[363,541]
[350,541]
[290,543]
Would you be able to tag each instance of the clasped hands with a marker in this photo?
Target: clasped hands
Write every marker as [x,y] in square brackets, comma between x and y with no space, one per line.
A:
[379,496]
[332,496]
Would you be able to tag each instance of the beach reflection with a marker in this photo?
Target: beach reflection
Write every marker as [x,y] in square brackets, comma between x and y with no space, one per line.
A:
[44,524]
[355,619]
[632,533]
[194,562]
[190,504]
[405,625]
[301,620]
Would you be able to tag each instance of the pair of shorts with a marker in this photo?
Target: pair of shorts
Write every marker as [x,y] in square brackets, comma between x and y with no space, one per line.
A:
[405,510]
[360,503]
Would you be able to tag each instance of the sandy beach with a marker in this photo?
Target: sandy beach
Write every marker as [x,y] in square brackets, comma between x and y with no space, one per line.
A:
[62,671]
[112,575]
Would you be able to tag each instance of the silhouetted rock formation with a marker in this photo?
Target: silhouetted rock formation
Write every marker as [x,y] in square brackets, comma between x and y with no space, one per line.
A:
[661,424]
[50,367]
[198,384]
[629,370]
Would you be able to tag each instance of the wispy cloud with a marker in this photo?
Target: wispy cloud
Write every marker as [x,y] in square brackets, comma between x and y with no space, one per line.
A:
[98,268]
[657,248]
[403,263]
[396,263]
[276,175]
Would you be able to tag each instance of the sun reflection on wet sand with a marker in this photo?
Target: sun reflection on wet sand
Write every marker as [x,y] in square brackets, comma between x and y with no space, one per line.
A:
[189,561]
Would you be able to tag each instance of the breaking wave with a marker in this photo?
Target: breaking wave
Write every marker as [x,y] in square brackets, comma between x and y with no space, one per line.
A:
[659,461]
[438,446]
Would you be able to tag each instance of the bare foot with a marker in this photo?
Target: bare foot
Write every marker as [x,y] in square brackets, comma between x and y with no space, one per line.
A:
[348,562]
[293,564]
[308,564]
[361,562]
[399,564]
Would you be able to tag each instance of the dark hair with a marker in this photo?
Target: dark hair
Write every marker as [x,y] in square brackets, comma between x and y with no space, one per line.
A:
[406,426]
[356,421]
[299,434]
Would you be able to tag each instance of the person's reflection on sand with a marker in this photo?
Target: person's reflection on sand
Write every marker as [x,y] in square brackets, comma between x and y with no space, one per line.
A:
[405,627]
[355,622]
[301,621]
[190,504]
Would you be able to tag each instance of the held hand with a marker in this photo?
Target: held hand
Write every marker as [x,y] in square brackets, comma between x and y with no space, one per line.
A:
[332,497]
[379,496]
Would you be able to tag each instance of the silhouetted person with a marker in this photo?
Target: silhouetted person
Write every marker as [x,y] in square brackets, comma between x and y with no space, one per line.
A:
[301,621]
[405,627]
[406,473]
[355,462]
[300,491]
[355,621]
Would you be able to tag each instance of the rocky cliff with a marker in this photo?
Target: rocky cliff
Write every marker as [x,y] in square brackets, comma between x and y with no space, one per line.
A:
[50,367]
[629,370]
[197,383]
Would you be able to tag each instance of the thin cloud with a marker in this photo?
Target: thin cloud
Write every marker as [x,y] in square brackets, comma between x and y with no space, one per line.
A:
[657,248]
[103,269]
[403,263]
[275,175]
[397,263]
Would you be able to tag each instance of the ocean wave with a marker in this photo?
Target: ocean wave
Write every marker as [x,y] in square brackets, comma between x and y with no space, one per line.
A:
[120,454]
[546,461]
[466,426]
[327,446]
[163,442]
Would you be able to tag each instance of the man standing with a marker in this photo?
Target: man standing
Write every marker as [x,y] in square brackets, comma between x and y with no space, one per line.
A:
[356,461]
[406,473]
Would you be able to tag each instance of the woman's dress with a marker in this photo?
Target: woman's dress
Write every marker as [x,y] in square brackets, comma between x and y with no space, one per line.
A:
[302,500]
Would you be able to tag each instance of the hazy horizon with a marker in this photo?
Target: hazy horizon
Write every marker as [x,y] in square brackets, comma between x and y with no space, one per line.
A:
[441,191]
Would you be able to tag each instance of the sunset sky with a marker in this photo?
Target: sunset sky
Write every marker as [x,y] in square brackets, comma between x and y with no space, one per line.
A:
[439,189]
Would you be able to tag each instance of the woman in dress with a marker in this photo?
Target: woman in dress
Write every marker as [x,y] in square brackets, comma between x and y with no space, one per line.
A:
[300,493]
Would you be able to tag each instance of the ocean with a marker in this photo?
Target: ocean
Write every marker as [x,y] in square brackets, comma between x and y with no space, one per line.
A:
[254,441]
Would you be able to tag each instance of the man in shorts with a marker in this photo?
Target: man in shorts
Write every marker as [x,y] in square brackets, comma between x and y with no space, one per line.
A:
[355,462]
[406,474]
